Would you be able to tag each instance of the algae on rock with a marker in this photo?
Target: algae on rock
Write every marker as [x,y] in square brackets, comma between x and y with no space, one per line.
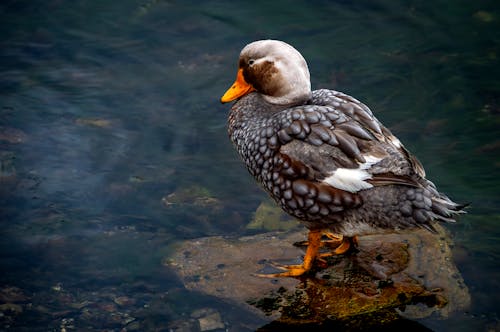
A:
[270,217]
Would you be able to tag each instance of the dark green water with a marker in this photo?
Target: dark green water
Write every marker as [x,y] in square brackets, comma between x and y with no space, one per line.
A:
[108,107]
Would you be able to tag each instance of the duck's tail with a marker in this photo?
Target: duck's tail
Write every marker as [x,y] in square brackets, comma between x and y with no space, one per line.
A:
[438,207]
[444,209]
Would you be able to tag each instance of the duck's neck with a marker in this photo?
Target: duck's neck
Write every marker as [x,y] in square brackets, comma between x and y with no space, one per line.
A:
[291,99]
[249,114]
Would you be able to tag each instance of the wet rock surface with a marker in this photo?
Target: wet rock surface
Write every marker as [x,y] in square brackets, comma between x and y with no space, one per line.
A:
[391,276]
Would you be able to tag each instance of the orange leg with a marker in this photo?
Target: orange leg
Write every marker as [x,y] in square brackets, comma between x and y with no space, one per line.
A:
[337,242]
[334,240]
[342,244]
[314,242]
[343,247]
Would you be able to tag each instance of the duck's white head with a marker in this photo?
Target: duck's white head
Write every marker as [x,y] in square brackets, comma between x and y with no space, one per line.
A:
[273,68]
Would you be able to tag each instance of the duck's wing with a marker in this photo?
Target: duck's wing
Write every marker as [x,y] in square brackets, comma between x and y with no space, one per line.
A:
[358,111]
[336,141]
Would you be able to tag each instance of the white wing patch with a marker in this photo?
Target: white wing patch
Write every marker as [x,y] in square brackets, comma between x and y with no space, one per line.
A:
[353,179]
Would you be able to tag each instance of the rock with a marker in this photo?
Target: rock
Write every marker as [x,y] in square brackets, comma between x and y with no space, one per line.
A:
[7,166]
[270,217]
[133,326]
[194,196]
[12,135]
[196,204]
[124,301]
[208,319]
[101,123]
[484,16]
[224,268]
[409,275]
[12,294]
[183,325]
[67,324]
[79,305]
[211,322]
[57,287]
[11,308]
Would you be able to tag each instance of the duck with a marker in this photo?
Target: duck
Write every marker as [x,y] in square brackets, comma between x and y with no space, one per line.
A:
[324,158]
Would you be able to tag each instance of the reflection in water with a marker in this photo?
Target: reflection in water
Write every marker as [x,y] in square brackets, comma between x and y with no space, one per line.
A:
[107,108]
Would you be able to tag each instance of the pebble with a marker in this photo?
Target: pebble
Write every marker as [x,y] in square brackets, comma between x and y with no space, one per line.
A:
[102,123]
[124,301]
[211,322]
[11,307]
[209,319]
[12,135]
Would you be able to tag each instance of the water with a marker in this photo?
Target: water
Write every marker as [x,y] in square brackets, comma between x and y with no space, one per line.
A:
[107,108]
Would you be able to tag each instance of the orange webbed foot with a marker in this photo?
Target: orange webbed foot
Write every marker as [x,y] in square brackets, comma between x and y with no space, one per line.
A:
[338,244]
[289,271]
[314,242]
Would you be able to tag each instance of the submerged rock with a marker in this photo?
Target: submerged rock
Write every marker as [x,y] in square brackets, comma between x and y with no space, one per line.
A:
[395,275]
[192,197]
[12,135]
[12,294]
[101,123]
[271,217]
[197,207]
[208,319]
[7,166]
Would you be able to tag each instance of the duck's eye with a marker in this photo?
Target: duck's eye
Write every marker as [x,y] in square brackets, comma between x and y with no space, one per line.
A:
[251,62]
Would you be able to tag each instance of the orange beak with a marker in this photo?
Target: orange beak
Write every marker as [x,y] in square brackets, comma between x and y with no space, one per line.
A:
[239,88]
